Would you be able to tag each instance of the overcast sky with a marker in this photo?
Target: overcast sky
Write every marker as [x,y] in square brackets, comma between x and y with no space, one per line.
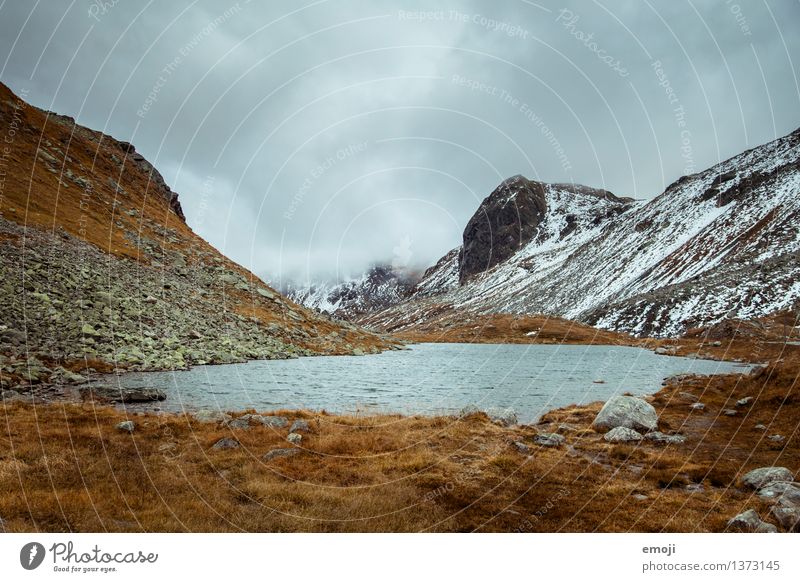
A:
[311,139]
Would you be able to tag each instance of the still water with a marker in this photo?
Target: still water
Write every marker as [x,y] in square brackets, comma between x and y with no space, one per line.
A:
[427,379]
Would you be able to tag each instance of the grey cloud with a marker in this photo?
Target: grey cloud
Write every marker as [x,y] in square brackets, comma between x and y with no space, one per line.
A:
[310,141]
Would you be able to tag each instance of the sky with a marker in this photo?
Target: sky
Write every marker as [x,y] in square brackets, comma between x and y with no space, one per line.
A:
[309,140]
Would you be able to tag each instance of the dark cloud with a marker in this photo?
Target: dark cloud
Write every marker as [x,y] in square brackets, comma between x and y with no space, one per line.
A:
[312,140]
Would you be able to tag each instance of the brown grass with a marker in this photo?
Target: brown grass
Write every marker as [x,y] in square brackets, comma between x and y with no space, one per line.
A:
[449,325]
[66,468]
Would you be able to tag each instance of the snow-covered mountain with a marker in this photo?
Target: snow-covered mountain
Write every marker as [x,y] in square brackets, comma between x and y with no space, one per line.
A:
[721,243]
[380,287]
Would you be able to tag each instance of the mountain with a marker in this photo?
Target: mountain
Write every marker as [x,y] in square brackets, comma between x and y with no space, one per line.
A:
[719,244]
[100,270]
[380,287]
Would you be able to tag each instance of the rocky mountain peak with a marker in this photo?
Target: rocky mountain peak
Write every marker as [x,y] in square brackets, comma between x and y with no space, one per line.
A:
[506,221]
[520,211]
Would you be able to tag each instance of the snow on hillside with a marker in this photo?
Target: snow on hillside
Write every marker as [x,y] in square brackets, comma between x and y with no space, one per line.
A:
[717,244]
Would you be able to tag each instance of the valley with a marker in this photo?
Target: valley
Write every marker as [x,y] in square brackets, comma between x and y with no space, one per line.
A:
[105,284]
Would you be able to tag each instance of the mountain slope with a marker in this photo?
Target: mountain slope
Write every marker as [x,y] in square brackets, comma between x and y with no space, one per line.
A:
[100,270]
[380,287]
[721,243]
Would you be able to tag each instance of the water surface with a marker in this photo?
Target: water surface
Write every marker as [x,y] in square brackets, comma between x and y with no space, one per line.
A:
[427,379]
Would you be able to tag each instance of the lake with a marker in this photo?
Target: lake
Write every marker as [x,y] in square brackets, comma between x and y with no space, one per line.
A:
[425,379]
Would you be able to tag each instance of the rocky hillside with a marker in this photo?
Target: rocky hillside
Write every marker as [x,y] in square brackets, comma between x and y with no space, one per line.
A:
[719,244]
[380,287]
[100,270]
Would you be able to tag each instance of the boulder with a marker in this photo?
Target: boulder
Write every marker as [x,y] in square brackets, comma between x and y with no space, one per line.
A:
[620,434]
[299,425]
[744,401]
[627,412]
[294,438]
[277,453]
[763,476]
[549,439]
[238,424]
[729,412]
[126,426]
[522,447]
[210,416]
[788,493]
[698,406]
[226,443]
[750,522]
[665,439]
[503,416]
[273,421]
[469,410]
[125,395]
[788,517]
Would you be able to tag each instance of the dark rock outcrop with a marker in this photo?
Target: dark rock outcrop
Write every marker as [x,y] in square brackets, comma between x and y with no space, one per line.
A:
[505,221]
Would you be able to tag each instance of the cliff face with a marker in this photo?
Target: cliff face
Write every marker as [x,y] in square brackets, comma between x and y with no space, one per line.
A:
[100,270]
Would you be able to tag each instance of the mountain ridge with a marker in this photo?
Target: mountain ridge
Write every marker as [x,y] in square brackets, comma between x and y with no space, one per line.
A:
[715,244]
[101,271]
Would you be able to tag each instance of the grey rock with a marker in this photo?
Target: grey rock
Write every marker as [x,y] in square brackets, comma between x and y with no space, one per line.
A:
[627,412]
[294,438]
[469,410]
[238,424]
[698,406]
[688,396]
[125,395]
[274,421]
[299,425]
[776,438]
[763,476]
[640,497]
[549,439]
[788,517]
[278,453]
[210,416]
[750,522]
[226,443]
[522,447]
[666,439]
[620,434]
[783,490]
[760,427]
[729,412]
[126,426]
[744,401]
[503,416]
[265,293]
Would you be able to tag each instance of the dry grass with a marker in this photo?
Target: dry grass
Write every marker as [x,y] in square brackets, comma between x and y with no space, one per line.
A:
[66,468]
[456,326]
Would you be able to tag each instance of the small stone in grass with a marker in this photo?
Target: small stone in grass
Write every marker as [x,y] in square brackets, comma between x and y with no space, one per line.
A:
[126,426]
